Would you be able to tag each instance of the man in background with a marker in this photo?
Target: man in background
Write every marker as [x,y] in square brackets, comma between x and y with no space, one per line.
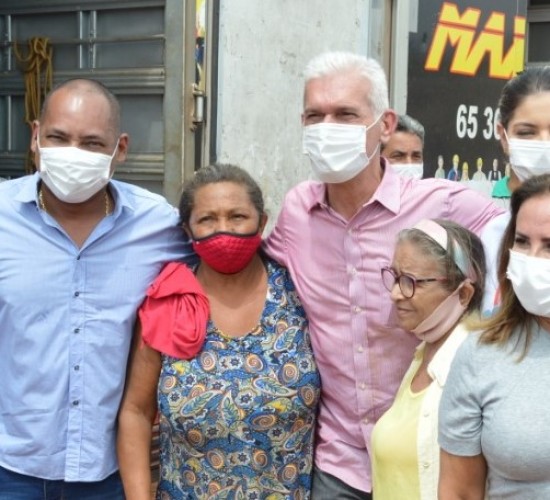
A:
[405,148]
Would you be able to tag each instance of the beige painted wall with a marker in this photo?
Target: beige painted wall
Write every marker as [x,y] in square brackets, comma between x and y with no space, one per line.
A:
[264,46]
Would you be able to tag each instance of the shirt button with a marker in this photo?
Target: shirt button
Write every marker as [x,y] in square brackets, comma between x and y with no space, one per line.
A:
[360,348]
[362,386]
[356,309]
[76,294]
[75,402]
[76,368]
[366,421]
[76,330]
[425,465]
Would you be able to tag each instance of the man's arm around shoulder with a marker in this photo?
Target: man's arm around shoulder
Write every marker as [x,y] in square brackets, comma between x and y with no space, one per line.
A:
[471,209]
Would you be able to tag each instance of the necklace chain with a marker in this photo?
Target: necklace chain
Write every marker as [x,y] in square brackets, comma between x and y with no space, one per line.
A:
[43,205]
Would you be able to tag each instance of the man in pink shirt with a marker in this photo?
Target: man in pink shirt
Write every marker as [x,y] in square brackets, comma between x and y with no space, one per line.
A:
[335,236]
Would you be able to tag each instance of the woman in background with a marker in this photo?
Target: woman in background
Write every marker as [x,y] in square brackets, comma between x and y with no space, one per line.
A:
[524,130]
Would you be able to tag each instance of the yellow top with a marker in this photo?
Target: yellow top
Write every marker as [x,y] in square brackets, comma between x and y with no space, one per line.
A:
[394,444]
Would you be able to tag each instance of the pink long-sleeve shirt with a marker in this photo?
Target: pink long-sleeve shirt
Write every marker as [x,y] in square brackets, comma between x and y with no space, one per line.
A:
[335,263]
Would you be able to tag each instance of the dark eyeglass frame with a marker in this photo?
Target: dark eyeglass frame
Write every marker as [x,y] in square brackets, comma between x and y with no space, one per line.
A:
[398,278]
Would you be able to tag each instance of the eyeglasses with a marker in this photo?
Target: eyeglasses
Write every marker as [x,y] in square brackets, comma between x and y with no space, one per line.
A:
[407,283]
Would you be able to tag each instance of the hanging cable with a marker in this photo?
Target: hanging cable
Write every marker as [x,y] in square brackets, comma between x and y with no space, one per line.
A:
[37,68]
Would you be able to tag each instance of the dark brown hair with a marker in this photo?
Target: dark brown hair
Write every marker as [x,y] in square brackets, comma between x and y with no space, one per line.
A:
[511,316]
[218,172]
[529,81]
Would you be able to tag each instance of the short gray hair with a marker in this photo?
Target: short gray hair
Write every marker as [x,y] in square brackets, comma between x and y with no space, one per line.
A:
[470,246]
[330,63]
[408,124]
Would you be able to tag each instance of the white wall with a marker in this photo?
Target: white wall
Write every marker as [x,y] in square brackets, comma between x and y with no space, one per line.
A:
[263,48]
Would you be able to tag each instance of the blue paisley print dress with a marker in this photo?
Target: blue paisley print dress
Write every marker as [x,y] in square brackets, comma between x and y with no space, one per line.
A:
[238,421]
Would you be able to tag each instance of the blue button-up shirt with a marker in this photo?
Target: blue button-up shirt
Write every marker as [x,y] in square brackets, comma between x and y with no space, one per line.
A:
[66,321]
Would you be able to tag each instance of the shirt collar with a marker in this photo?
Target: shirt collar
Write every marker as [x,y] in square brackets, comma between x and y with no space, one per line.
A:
[317,196]
[29,190]
[387,194]
[439,366]
[122,201]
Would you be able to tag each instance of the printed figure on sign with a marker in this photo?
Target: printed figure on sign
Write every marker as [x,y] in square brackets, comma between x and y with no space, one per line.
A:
[465,177]
[440,172]
[454,174]
[495,174]
[479,174]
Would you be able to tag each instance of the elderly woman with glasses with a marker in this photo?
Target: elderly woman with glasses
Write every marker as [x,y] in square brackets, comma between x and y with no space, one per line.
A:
[436,280]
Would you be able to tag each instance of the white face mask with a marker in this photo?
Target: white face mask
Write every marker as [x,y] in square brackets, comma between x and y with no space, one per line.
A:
[530,278]
[337,151]
[72,174]
[409,170]
[529,157]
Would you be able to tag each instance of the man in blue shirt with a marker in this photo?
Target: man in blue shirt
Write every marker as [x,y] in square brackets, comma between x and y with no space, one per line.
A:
[77,253]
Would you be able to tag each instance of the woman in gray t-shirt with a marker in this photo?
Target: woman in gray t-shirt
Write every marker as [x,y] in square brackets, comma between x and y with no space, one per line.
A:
[494,418]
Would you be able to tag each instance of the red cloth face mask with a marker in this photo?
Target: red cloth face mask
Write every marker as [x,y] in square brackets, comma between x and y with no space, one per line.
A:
[228,253]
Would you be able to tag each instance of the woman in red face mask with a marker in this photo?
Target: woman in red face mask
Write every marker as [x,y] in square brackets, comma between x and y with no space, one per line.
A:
[235,379]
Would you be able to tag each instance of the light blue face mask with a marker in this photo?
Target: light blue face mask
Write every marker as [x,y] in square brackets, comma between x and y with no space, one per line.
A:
[337,151]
